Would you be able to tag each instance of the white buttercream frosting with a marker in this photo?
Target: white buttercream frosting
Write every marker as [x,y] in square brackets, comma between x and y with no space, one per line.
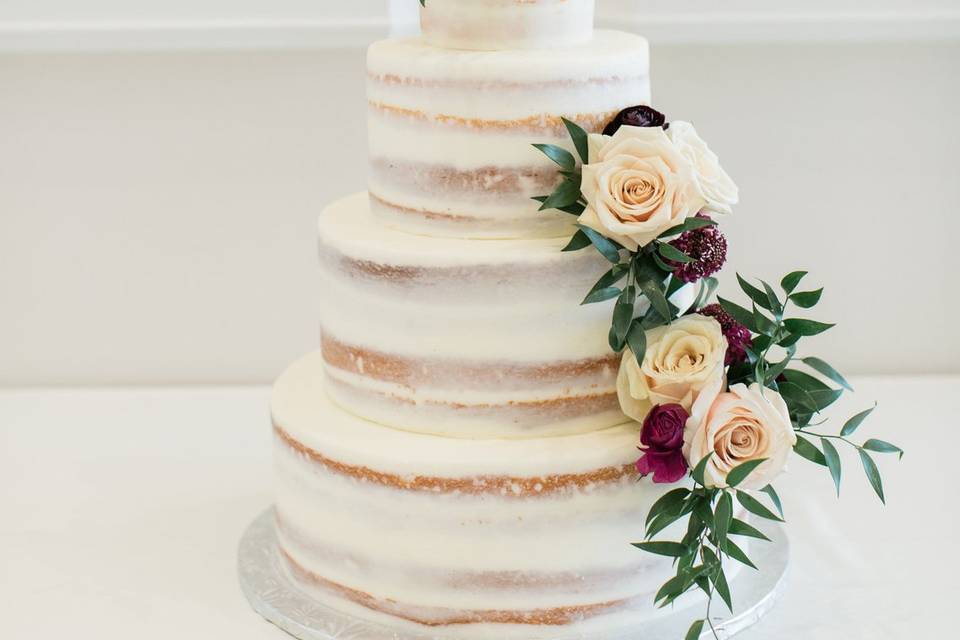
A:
[506,24]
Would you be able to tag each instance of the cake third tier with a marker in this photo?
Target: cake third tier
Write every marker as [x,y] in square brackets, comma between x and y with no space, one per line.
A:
[451,131]
[464,338]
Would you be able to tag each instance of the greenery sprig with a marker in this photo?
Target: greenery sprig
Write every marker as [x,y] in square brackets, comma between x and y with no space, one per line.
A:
[643,282]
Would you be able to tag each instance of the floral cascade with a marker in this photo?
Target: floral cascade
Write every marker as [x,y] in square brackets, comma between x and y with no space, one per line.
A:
[718,389]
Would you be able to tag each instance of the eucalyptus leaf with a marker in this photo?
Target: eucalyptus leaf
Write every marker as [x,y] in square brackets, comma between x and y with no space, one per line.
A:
[559,155]
[605,246]
[623,313]
[670,252]
[775,305]
[739,314]
[617,273]
[574,209]
[873,474]
[824,368]
[756,507]
[832,457]
[826,397]
[806,449]
[741,528]
[764,325]
[565,195]
[880,446]
[579,241]
[695,631]
[579,137]
[807,299]
[602,295]
[669,549]
[740,473]
[654,292]
[851,426]
[804,380]
[700,469]
[759,297]
[792,280]
[806,328]
[722,516]
[637,340]
[774,497]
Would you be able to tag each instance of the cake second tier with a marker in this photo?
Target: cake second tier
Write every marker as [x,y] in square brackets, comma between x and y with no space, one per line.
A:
[466,338]
[451,132]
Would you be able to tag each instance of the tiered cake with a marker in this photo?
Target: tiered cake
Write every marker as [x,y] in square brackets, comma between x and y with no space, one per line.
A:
[454,458]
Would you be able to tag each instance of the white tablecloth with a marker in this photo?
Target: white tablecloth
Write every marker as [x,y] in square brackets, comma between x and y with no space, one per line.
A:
[120,513]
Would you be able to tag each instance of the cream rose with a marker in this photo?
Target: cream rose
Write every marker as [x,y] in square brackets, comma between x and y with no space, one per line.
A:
[716,185]
[738,426]
[684,362]
[637,185]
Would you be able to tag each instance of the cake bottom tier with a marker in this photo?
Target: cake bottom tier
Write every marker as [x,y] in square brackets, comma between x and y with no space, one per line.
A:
[463,538]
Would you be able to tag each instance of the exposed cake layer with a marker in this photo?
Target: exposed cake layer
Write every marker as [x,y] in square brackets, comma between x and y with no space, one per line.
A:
[482,538]
[463,337]
[506,24]
[451,132]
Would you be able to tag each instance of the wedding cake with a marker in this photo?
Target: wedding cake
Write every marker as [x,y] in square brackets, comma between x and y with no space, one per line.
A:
[454,459]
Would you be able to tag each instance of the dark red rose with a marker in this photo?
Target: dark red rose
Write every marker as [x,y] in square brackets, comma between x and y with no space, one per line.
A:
[639,116]
[661,440]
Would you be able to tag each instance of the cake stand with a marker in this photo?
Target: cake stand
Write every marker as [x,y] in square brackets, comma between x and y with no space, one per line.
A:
[275,597]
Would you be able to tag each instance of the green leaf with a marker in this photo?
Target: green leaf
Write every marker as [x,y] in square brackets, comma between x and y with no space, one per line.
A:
[602,295]
[565,195]
[719,580]
[617,273]
[704,513]
[669,549]
[559,155]
[774,370]
[882,447]
[756,507]
[730,548]
[804,380]
[823,368]
[637,340]
[806,328]
[808,450]
[832,458]
[660,523]
[764,325]
[663,266]
[792,280]
[775,305]
[579,241]
[696,629]
[700,469]
[854,423]
[574,209]
[826,397]
[807,299]
[873,474]
[708,286]
[605,246]
[740,473]
[797,398]
[739,314]
[623,313]
[774,497]
[741,528]
[670,252]
[722,516]
[655,294]
[670,502]
[688,225]
[579,137]
[758,297]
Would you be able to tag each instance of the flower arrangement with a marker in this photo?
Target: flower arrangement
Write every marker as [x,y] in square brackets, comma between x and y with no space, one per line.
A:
[718,389]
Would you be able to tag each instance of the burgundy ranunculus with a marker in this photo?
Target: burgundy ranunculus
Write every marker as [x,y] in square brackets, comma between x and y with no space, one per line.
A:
[639,116]
[661,440]
[738,336]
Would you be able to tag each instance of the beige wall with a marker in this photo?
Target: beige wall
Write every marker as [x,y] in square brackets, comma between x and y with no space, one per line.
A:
[157,210]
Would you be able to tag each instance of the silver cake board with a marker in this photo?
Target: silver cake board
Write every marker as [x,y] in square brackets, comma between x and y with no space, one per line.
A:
[274,596]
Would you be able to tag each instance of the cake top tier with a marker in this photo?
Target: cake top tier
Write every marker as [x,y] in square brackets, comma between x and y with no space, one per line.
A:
[506,24]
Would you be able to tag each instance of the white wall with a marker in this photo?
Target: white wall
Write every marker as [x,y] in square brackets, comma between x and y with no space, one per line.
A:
[157,209]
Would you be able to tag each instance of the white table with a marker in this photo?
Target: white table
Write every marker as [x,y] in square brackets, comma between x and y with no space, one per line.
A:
[120,513]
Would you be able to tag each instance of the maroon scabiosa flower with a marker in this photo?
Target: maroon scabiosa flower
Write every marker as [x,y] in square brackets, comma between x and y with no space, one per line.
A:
[661,441]
[708,248]
[737,335]
[639,116]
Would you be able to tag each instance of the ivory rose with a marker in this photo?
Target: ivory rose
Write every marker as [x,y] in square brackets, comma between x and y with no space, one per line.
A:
[684,361]
[637,185]
[716,185]
[738,426]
